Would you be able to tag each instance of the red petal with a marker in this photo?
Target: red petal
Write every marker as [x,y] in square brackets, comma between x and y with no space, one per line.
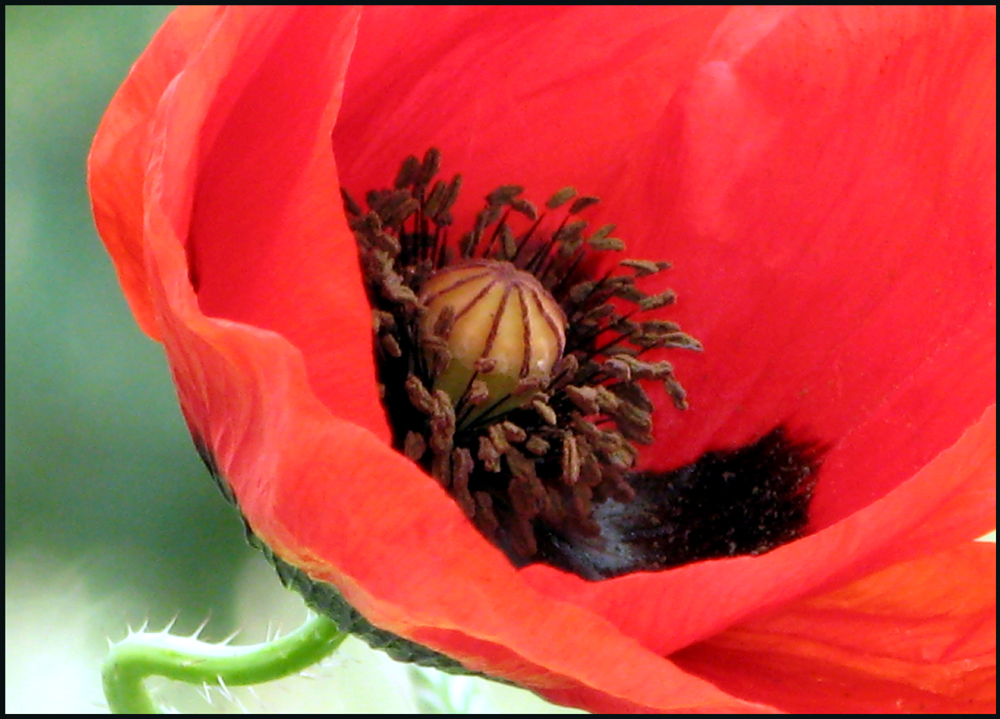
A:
[834,233]
[542,96]
[266,235]
[118,158]
[918,637]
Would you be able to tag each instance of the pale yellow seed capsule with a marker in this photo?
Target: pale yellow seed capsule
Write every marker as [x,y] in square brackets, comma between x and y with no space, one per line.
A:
[504,321]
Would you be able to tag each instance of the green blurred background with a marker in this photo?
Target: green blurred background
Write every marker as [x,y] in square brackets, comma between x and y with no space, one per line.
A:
[110,518]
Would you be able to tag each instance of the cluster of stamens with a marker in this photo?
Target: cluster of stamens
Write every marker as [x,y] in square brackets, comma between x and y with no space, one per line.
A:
[537,447]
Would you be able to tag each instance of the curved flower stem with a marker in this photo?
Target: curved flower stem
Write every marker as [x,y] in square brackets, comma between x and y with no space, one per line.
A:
[187,659]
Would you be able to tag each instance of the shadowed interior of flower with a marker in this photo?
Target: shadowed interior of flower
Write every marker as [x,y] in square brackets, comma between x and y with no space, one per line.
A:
[512,364]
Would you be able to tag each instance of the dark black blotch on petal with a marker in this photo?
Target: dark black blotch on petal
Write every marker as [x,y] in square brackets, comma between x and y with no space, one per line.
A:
[745,501]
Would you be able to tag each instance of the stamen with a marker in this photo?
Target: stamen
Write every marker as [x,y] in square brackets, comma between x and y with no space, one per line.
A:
[560,198]
[513,376]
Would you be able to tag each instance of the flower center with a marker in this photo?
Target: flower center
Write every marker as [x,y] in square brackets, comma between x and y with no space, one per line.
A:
[511,364]
[504,332]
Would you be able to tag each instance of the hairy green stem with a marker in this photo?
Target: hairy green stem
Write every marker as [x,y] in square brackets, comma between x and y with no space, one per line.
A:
[186,659]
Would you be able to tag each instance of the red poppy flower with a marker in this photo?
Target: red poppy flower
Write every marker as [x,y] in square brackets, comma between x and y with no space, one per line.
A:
[824,180]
